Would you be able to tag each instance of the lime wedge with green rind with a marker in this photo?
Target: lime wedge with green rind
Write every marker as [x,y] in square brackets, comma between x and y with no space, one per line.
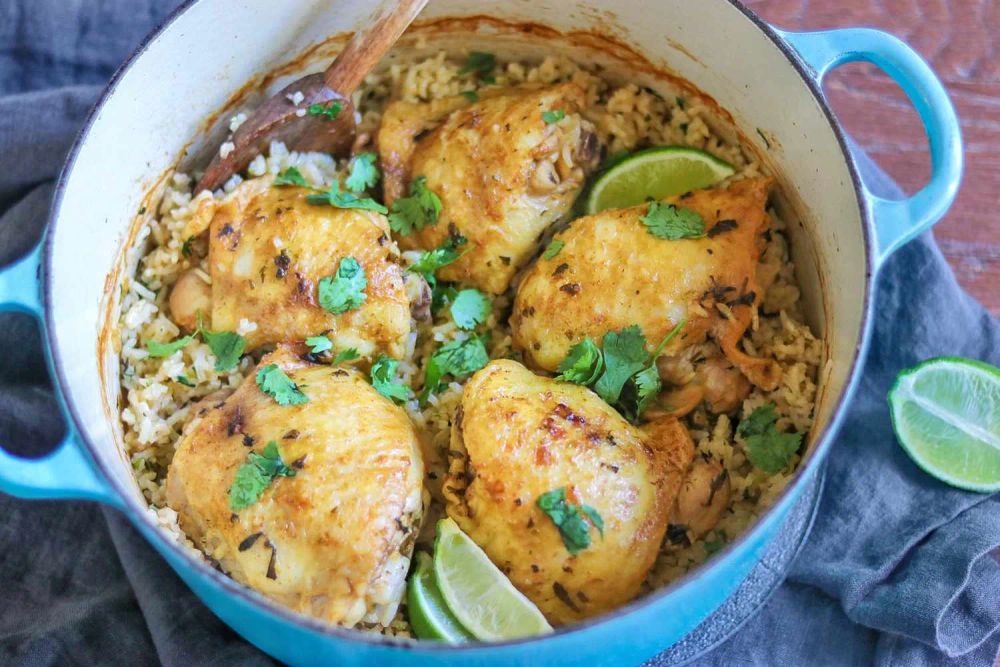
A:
[663,171]
[946,414]
[479,595]
[428,612]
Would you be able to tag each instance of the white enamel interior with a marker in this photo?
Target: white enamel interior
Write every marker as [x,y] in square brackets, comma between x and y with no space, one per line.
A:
[216,46]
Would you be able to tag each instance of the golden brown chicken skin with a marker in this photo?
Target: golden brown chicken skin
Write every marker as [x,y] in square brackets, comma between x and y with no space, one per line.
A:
[518,436]
[613,273]
[333,541]
[502,172]
[268,251]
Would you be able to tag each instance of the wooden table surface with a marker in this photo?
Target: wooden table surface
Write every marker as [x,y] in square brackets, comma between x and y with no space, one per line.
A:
[961,40]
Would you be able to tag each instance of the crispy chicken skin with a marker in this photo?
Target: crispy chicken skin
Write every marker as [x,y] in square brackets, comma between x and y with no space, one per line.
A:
[335,540]
[517,436]
[268,251]
[613,273]
[502,173]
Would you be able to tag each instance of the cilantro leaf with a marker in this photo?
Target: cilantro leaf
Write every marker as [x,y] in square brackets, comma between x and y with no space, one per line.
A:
[624,356]
[383,373]
[334,197]
[421,208]
[226,346]
[344,291]
[551,117]
[480,62]
[186,246]
[327,111]
[184,380]
[349,354]
[470,95]
[767,448]
[364,174]
[273,382]
[666,221]
[158,350]
[583,364]
[290,176]
[569,519]
[318,344]
[254,476]
[470,308]
[432,260]
[554,249]
[638,392]
[457,358]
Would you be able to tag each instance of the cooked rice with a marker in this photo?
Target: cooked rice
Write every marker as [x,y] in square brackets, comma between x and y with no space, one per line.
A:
[157,405]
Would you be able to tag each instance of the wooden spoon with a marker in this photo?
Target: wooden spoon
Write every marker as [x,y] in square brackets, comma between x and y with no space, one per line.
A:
[279,119]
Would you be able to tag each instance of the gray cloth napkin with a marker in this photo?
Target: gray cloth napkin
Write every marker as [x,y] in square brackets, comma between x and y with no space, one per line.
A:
[897,571]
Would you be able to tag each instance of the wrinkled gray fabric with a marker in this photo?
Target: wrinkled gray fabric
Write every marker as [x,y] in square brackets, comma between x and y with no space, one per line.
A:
[897,570]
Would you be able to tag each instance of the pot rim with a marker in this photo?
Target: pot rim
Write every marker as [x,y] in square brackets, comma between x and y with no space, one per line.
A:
[135,510]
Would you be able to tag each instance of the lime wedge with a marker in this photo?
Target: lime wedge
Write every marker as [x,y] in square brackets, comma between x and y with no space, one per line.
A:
[946,413]
[663,171]
[428,613]
[477,593]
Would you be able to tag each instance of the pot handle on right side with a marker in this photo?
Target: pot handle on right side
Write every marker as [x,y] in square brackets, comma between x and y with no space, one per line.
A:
[896,221]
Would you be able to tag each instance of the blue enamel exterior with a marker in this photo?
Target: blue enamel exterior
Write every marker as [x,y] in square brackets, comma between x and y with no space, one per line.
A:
[635,632]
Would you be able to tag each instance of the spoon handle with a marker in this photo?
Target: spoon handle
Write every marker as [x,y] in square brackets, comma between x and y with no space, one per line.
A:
[367,46]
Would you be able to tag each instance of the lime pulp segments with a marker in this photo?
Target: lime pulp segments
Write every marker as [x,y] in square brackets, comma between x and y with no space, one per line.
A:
[477,592]
[946,413]
[659,172]
[428,612]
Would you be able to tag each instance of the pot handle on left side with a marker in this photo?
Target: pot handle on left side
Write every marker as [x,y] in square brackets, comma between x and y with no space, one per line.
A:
[66,472]
[896,221]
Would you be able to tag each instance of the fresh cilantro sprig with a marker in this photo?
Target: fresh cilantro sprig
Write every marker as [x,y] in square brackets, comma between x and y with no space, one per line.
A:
[551,117]
[326,111]
[768,448]
[383,375]
[666,221]
[339,199]
[344,290]
[347,354]
[569,519]
[160,350]
[364,174]
[273,382]
[553,249]
[227,346]
[290,176]
[470,308]
[482,64]
[254,476]
[319,344]
[583,365]
[457,358]
[363,171]
[414,212]
[431,260]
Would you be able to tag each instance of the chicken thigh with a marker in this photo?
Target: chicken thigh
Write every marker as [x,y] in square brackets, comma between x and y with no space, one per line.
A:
[521,442]
[269,250]
[505,168]
[613,272]
[331,535]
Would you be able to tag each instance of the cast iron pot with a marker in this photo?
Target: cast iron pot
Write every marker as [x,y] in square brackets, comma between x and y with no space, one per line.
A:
[767,79]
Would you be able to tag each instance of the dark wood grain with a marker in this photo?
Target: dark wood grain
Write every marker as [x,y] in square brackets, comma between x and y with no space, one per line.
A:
[961,40]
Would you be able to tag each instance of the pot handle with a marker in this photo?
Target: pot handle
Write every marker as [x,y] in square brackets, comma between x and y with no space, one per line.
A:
[896,220]
[67,471]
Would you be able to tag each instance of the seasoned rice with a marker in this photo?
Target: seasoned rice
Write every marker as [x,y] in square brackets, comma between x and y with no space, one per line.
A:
[156,405]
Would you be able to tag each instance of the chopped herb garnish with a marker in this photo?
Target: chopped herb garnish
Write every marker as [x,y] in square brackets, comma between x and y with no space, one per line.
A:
[349,354]
[666,221]
[184,381]
[624,356]
[470,95]
[767,448]
[383,376]
[364,174]
[346,290]
[481,63]
[470,308]
[290,176]
[554,249]
[273,382]
[457,358]
[334,197]
[583,364]
[159,350]
[441,294]
[186,246]
[432,260]
[569,519]
[551,117]
[254,476]
[319,344]
[327,111]
[226,346]
[421,208]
